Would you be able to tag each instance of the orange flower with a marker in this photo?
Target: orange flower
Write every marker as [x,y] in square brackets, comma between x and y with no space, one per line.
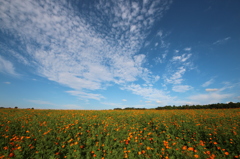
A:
[184,147]
[207,152]
[143,151]
[190,149]
[11,154]
[81,146]
[226,153]
[1,157]
[196,156]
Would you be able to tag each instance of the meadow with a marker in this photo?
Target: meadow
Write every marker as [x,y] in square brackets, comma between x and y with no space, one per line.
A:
[119,134]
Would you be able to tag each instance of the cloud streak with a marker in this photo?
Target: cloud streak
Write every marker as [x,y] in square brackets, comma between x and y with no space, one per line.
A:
[211,89]
[7,67]
[86,51]
[209,98]
[181,88]
[207,83]
[222,41]
[149,93]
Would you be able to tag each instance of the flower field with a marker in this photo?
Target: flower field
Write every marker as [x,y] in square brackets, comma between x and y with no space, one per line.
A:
[118,134]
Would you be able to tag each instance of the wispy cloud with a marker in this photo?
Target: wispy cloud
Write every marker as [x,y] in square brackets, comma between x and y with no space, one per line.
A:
[7,67]
[181,58]
[84,95]
[211,89]
[7,82]
[188,49]
[72,106]
[207,83]
[41,102]
[176,77]
[209,98]
[177,67]
[124,100]
[86,52]
[181,88]
[221,41]
[149,93]
[148,101]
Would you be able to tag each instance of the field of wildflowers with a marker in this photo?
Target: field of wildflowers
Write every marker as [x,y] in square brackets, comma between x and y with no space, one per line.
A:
[118,134]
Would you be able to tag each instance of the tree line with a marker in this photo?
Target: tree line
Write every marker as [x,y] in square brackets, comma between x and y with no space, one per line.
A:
[208,106]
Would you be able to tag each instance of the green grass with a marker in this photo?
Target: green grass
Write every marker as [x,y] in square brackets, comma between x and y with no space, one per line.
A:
[210,133]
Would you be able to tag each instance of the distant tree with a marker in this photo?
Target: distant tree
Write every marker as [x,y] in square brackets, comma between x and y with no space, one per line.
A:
[16,107]
[32,108]
[129,108]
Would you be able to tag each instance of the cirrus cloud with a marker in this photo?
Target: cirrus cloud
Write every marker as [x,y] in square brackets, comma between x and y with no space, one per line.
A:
[86,51]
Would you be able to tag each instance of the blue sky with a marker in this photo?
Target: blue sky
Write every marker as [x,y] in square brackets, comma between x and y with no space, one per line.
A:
[105,54]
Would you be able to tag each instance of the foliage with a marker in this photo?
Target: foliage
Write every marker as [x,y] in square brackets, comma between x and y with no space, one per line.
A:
[209,106]
[196,133]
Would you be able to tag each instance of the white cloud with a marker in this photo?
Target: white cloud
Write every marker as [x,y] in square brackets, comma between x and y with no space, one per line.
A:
[187,49]
[9,49]
[158,60]
[124,100]
[160,33]
[147,43]
[211,89]
[209,98]
[41,102]
[176,78]
[208,83]
[148,93]
[181,58]
[7,82]
[159,102]
[177,67]
[72,106]
[7,67]
[82,52]
[181,88]
[84,95]
[221,41]
[148,101]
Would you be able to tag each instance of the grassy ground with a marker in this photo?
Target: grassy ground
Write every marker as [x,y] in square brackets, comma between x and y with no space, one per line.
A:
[206,133]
